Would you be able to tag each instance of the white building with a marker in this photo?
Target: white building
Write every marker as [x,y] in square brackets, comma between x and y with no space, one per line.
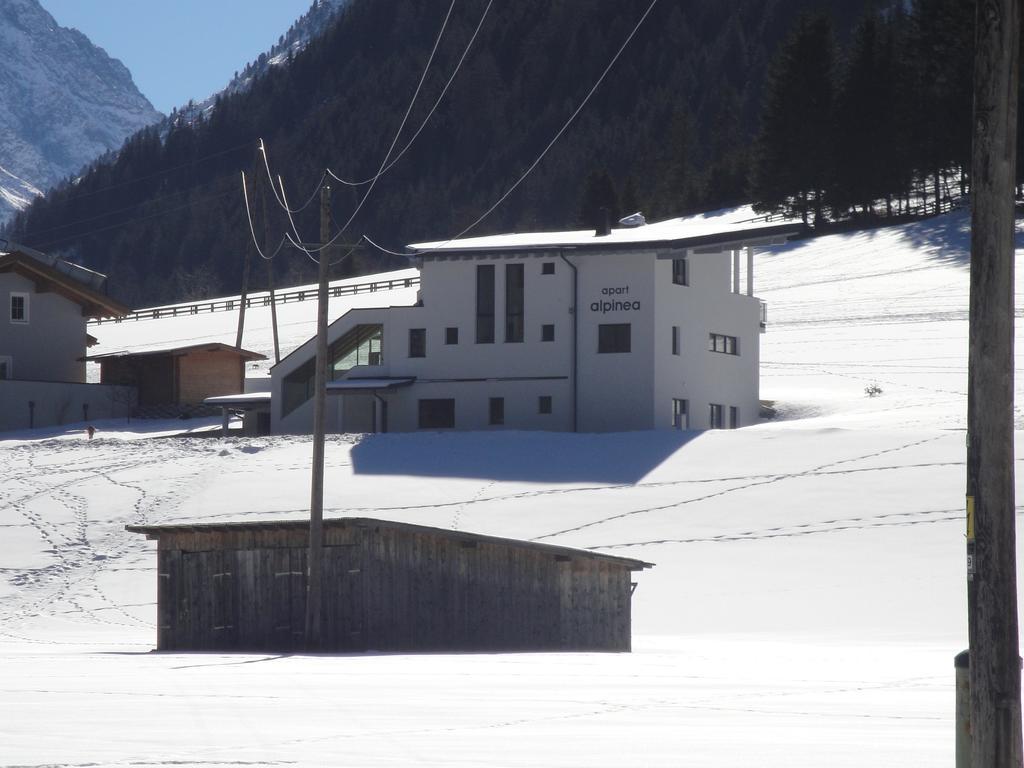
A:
[644,327]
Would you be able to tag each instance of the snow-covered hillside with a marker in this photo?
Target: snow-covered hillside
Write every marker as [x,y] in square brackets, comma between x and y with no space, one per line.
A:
[806,605]
[63,102]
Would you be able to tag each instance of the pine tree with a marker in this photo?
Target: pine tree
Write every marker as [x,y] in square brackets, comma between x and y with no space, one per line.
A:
[792,167]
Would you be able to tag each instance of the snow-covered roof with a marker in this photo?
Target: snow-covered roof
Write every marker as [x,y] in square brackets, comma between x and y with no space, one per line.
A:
[730,226]
[181,350]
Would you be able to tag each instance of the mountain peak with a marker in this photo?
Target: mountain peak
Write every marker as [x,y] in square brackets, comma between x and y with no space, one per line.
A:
[63,101]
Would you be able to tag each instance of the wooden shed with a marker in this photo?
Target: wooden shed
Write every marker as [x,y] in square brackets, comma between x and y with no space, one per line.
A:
[178,375]
[387,586]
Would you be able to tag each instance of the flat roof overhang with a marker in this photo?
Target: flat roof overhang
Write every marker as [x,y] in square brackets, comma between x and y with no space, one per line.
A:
[248,401]
[349,386]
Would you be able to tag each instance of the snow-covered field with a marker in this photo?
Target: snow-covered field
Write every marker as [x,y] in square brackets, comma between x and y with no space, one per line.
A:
[808,598]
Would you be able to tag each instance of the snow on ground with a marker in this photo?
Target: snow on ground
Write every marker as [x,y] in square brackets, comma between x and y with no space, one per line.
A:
[805,608]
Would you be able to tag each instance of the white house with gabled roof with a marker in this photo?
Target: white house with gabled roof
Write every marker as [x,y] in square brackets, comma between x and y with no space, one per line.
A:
[640,327]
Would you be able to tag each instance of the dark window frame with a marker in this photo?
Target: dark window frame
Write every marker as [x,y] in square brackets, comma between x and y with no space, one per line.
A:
[614,338]
[417,342]
[547,268]
[734,417]
[680,413]
[435,413]
[716,416]
[680,271]
[723,344]
[515,303]
[545,405]
[21,317]
[547,332]
[675,339]
[485,303]
[451,335]
[496,411]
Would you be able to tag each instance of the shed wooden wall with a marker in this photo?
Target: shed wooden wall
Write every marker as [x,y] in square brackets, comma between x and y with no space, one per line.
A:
[386,589]
[203,374]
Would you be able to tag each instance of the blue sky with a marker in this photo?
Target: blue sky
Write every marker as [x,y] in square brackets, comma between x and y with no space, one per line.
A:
[180,49]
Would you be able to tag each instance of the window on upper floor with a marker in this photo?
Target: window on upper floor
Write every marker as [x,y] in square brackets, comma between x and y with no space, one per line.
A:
[547,332]
[515,301]
[417,342]
[19,307]
[719,342]
[547,268]
[451,335]
[680,272]
[613,337]
[675,339]
[485,304]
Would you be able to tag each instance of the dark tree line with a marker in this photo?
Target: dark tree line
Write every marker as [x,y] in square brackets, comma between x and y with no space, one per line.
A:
[670,130]
[880,126]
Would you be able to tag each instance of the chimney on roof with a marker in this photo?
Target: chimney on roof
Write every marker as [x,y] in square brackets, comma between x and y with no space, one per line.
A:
[604,226]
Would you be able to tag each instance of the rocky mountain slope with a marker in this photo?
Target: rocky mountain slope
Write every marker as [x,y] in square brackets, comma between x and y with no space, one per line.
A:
[63,102]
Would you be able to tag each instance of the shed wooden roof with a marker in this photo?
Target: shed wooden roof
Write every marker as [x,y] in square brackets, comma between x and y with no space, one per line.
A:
[156,531]
[245,354]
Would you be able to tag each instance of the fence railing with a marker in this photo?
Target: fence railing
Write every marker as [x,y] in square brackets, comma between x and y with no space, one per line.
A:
[261,299]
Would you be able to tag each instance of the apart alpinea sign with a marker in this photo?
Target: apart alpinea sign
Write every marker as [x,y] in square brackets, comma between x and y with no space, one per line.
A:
[609,304]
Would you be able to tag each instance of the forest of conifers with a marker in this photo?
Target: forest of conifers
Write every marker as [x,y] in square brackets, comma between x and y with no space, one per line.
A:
[830,109]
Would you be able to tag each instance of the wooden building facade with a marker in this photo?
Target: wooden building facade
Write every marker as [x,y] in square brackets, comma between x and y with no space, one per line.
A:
[387,586]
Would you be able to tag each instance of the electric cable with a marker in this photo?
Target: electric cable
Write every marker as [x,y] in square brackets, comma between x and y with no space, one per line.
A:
[252,229]
[430,114]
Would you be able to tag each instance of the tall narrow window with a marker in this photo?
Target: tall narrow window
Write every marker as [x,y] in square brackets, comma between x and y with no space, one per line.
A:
[19,307]
[680,418]
[451,335]
[680,272]
[715,416]
[734,417]
[6,367]
[496,411]
[485,304]
[417,342]
[675,339]
[514,302]
[613,337]
[547,332]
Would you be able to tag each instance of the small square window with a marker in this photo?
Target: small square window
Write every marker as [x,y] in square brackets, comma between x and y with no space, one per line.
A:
[547,333]
[417,342]
[496,411]
[544,404]
[613,337]
[547,268]
[451,335]
[19,307]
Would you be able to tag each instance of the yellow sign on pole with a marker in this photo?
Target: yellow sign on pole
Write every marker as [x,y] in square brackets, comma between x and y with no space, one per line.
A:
[970,518]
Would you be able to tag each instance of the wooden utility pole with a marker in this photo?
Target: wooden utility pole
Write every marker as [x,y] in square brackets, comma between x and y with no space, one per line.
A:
[314,598]
[244,299]
[991,548]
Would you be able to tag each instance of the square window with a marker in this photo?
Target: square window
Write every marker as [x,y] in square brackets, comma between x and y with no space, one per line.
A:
[680,272]
[437,414]
[19,307]
[496,411]
[547,333]
[547,268]
[544,404]
[417,342]
[614,337]
[451,335]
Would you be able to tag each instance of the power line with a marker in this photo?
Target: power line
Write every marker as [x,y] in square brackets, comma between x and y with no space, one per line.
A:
[546,149]
[430,114]
[252,229]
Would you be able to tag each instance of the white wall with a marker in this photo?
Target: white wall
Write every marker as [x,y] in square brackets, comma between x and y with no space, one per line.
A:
[60,403]
[49,345]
